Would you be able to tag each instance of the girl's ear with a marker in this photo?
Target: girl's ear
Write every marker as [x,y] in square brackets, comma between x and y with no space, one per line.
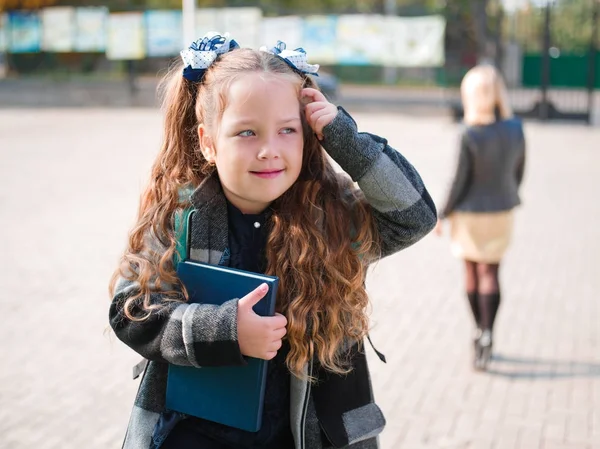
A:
[206,144]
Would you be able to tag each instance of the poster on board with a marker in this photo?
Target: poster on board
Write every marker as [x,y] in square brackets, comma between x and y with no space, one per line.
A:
[24,32]
[361,39]
[90,29]
[209,19]
[58,29]
[243,24]
[320,38]
[125,37]
[416,41]
[287,29]
[163,33]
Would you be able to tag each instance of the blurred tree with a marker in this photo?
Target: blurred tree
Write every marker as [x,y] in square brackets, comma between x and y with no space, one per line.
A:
[487,17]
[571,25]
[6,5]
[460,40]
[270,7]
[480,26]
[282,7]
[461,34]
[526,27]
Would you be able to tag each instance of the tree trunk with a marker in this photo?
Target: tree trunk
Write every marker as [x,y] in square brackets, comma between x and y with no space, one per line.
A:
[485,47]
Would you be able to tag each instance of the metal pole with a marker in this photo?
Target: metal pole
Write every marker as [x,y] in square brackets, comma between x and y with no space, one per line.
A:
[390,73]
[484,46]
[3,65]
[592,61]
[545,75]
[131,77]
[189,22]
[500,40]
[4,53]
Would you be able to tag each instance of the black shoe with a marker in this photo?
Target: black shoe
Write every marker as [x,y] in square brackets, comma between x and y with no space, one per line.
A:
[483,351]
[476,347]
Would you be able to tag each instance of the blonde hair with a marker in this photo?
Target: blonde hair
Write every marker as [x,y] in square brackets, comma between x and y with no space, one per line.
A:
[482,91]
[322,235]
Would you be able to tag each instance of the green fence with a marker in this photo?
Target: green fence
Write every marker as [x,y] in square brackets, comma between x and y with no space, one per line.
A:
[565,70]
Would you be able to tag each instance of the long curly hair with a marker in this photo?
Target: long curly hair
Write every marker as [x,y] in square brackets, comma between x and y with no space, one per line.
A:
[321,237]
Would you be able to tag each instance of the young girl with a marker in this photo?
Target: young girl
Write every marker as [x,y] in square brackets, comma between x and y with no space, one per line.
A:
[247,133]
[483,194]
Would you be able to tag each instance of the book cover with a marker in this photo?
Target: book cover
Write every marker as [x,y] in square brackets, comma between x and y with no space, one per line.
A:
[230,395]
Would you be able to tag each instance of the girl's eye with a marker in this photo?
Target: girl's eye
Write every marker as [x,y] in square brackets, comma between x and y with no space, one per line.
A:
[246,133]
[288,130]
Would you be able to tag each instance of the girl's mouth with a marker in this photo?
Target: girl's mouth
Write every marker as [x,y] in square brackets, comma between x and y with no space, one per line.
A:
[267,174]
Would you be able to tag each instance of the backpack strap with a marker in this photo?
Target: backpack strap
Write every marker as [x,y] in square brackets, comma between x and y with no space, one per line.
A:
[379,354]
[181,225]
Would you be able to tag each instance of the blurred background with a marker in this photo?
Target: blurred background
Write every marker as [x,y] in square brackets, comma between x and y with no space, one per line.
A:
[80,127]
[111,52]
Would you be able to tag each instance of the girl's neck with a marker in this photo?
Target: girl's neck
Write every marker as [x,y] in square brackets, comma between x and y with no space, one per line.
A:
[243,205]
[247,209]
[484,119]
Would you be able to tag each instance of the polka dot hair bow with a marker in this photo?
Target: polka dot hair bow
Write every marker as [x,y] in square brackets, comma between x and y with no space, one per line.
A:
[203,52]
[294,58]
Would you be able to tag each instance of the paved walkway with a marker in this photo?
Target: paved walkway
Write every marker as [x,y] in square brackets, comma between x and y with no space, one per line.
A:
[69,185]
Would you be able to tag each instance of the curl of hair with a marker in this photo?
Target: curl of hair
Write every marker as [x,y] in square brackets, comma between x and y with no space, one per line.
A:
[151,244]
[321,238]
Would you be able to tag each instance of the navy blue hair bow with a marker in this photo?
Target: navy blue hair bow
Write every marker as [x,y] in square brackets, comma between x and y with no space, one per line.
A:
[202,53]
[296,59]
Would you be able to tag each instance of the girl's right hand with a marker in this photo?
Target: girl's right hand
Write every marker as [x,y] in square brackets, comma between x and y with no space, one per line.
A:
[319,111]
[259,336]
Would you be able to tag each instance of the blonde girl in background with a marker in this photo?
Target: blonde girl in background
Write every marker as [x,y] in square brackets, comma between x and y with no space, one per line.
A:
[483,194]
[247,133]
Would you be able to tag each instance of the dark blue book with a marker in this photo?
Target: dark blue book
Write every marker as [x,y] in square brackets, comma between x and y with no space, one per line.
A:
[230,395]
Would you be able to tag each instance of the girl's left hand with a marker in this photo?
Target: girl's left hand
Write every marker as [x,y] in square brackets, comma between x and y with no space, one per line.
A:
[439,228]
[319,111]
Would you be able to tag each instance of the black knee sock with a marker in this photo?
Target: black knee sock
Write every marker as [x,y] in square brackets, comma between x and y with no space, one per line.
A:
[488,309]
[473,302]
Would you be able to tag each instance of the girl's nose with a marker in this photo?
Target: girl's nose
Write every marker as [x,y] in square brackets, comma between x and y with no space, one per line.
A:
[269,149]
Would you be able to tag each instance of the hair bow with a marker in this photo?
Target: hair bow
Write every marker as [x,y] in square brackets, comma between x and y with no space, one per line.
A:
[294,58]
[202,53]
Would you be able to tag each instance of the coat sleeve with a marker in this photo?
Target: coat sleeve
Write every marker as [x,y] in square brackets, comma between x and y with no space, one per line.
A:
[403,209]
[177,332]
[462,177]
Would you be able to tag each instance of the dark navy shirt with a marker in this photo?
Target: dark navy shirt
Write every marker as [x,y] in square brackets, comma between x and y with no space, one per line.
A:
[247,241]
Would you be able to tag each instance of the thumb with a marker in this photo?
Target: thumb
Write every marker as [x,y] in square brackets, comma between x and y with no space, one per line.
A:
[252,298]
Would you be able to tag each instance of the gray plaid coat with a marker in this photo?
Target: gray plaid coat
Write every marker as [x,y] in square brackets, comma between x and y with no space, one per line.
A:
[341,408]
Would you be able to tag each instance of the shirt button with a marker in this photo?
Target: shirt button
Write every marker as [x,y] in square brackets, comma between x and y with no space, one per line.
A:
[256,224]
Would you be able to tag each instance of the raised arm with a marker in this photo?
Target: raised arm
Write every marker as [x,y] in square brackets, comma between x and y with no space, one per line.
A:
[403,209]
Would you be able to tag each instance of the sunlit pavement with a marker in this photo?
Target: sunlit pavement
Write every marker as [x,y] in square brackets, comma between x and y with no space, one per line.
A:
[69,185]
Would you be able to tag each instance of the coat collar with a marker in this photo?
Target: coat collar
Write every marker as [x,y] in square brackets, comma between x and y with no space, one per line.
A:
[208,191]
[209,230]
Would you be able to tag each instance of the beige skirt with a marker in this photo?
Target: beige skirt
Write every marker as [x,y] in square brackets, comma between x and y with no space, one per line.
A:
[480,237]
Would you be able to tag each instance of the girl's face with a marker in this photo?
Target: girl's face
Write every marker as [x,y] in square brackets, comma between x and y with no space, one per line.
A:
[258,145]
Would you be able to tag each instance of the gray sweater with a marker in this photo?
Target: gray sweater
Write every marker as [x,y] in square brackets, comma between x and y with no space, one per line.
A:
[490,169]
